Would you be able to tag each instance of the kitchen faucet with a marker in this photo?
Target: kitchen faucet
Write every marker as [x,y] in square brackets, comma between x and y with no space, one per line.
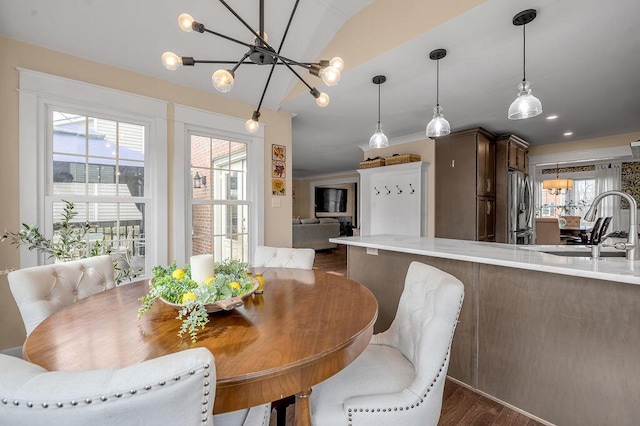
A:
[631,246]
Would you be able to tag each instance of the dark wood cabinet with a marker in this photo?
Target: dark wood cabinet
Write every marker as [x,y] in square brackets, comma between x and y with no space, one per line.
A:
[486,219]
[517,150]
[511,154]
[466,185]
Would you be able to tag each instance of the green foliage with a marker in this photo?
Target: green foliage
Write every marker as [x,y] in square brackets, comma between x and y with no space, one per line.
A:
[70,242]
[230,280]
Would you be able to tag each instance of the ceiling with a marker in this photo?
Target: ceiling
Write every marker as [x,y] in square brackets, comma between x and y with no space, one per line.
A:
[583,61]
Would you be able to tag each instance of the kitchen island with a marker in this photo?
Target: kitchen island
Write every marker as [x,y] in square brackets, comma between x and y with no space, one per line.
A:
[555,336]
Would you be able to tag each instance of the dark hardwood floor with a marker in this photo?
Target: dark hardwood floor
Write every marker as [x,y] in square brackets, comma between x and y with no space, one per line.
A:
[460,405]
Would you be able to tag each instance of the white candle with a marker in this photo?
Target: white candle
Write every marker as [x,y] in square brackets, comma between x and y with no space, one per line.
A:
[201,267]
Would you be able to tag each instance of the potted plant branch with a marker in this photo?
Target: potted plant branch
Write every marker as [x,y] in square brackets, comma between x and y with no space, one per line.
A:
[71,242]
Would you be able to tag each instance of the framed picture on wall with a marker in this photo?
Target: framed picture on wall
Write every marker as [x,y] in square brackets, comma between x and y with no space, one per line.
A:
[278,187]
[278,169]
[279,152]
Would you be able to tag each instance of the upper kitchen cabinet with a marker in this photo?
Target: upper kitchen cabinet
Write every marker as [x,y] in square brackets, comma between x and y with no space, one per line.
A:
[517,151]
[465,185]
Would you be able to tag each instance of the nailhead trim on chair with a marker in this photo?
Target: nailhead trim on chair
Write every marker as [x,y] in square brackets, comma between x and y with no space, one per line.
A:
[446,357]
[105,398]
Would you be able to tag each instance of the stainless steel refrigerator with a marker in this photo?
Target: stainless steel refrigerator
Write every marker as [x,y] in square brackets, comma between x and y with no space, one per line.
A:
[521,205]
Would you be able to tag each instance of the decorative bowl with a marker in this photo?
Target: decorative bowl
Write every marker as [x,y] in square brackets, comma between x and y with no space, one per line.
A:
[220,305]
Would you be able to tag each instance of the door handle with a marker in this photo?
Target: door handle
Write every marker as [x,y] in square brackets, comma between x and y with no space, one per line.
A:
[488,208]
[488,185]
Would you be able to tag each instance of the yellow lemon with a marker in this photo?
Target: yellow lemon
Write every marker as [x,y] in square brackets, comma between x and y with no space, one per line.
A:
[209,280]
[235,285]
[178,274]
[187,297]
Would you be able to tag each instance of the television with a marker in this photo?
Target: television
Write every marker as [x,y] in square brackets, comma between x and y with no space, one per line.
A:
[331,200]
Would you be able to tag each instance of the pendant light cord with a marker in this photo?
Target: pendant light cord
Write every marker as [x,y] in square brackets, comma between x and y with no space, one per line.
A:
[524,53]
[438,82]
[379,84]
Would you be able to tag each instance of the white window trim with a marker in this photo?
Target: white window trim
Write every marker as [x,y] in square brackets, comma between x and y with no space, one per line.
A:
[189,120]
[37,92]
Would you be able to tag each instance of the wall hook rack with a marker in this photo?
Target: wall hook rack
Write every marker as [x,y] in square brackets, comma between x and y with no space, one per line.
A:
[399,190]
[412,190]
[376,189]
[388,190]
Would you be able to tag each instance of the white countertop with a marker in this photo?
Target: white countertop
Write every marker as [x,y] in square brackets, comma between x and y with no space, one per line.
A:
[617,269]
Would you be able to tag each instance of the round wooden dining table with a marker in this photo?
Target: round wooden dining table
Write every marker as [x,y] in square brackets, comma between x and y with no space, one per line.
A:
[304,328]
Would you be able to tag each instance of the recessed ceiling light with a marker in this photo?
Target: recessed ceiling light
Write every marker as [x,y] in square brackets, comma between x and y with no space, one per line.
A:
[568,133]
[552,117]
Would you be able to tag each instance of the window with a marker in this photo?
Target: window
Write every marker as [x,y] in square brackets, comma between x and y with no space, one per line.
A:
[220,195]
[99,165]
[220,207]
[574,202]
[91,145]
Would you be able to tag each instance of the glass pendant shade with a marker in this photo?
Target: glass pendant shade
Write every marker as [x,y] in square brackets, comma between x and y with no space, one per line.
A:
[171,61]
[222,80]
[438,126]
[379,139]
[526,105]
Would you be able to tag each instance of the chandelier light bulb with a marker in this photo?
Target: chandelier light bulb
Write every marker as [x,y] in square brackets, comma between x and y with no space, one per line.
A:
[185,22]
[337,63]
[526,105]
[222,80]
[171,61]
[379,139]
[330,75]
[322,100]
[438,126]
[252,125]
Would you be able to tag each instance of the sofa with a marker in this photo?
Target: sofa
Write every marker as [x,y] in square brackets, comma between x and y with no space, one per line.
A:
[315,233]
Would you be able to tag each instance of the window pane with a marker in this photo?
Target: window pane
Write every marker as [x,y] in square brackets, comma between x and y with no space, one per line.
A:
[131,180]
[238,156]
[201,242]
[200,151]
[131,141]
[201,183]
[103,139]
[69,134]
[201,220]
[107,228]
[220,154]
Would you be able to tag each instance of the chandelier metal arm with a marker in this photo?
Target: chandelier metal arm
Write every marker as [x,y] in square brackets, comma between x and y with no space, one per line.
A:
[203,61]
[226,37]
[254,32]
[273,66]
[235,67]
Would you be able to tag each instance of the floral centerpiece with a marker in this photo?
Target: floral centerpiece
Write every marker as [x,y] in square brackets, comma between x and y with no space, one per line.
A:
[174,286]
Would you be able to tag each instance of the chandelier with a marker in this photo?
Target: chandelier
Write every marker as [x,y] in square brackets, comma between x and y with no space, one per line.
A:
[557,186]
[258,53]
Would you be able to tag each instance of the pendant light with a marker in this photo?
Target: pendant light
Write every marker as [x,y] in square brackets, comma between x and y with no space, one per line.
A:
[557,186]
[379,139]
[526,105]
[438,126]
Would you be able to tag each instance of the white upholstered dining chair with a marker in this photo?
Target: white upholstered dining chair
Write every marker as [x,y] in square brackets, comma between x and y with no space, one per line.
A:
[284,257]
[399,378]
[173,390]
[41,291]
